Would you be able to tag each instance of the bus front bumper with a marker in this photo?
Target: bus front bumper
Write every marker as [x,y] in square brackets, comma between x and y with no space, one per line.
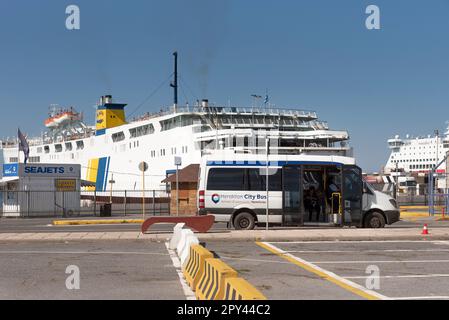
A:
[392,216]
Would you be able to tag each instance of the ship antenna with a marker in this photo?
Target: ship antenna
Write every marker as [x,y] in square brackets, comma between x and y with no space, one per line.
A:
[174,84]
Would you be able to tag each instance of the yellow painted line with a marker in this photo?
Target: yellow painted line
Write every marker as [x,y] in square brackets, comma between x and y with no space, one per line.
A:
[94,222]
[414,214]
[418,207]
[326,275]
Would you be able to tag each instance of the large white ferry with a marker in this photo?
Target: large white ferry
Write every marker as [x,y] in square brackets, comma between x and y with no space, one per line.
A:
[114,147]
[417,154]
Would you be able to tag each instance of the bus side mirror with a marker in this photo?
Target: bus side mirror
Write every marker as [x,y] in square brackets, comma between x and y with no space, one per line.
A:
[365,188]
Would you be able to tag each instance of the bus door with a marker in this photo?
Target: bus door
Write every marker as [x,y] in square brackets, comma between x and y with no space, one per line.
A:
[292,196]
[352,194]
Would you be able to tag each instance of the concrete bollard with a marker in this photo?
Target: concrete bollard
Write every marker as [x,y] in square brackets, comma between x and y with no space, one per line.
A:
[182,241]
[176,237]
[185,253]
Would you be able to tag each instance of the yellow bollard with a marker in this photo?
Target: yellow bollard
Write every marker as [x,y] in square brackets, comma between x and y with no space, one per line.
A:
[240,289]
[212,283]
[194,269]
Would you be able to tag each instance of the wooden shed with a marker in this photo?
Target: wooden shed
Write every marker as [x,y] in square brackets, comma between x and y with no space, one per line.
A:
[188,186]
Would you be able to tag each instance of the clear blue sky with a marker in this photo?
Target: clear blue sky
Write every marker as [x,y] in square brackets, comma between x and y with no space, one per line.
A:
[311,54]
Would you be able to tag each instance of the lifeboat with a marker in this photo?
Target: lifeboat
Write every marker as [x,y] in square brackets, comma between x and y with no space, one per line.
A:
[61,118]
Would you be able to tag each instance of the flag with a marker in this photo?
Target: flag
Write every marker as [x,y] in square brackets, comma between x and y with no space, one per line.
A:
[23,146]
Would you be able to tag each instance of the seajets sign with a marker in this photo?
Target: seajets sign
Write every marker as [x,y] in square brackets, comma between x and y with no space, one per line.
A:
[44,170]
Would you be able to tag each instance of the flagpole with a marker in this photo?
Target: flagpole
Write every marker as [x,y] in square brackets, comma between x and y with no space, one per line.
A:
[22,145]
[18,147]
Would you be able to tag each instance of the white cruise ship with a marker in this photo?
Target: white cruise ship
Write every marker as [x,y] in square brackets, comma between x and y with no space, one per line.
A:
[114,147]
[417,154]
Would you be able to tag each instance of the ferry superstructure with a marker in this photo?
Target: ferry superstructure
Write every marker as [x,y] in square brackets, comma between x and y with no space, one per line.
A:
[114,147]
[417,154]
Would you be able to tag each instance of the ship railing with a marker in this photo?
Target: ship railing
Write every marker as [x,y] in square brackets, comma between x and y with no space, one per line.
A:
[333,136]
[318,150]
[316,147]
[320,125]
[213,110]
[250,111]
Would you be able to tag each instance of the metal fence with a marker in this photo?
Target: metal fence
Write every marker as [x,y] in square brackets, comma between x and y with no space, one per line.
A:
[412,196]
[31,204]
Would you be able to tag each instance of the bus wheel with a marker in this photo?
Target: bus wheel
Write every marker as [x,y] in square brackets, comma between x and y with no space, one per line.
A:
[375,220]
[244,221]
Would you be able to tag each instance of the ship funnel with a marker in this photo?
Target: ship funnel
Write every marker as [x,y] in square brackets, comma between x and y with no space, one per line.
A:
[108,99]
[105,99]
[205,103]
[109,115]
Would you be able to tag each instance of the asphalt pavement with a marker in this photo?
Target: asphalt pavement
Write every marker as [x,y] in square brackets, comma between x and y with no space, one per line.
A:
[107,269]
[342,269]
[44,225]
[299,270]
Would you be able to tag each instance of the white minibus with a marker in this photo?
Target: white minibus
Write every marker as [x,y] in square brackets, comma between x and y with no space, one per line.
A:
[302,190]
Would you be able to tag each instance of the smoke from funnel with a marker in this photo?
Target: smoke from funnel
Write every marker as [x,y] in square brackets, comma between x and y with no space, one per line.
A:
[205,34]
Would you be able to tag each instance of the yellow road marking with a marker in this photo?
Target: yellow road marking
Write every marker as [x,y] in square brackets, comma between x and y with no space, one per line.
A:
[410,215]
[419,207]
[94,222]
[343,283]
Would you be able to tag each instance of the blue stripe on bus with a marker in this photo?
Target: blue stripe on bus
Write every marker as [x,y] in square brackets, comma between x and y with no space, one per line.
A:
[270,163]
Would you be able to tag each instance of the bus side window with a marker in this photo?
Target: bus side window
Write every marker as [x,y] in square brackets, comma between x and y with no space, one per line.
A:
[254,180]
[226,179]
[257,180]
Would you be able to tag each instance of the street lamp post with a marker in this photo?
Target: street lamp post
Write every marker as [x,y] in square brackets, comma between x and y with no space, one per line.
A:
[143,166]
[267,142]
[178,162]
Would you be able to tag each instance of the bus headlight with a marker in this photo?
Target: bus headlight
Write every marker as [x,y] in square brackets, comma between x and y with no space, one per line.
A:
[394,203]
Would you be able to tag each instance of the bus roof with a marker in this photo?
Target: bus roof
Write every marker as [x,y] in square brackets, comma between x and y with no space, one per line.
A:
[274,160]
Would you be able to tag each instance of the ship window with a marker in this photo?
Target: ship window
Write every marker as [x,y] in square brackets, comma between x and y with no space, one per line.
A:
[13,160]
[141,131]
[119,136]
[68,146]
[47,149]
[180,121]
[58,147]
[35,159]
[79,145]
